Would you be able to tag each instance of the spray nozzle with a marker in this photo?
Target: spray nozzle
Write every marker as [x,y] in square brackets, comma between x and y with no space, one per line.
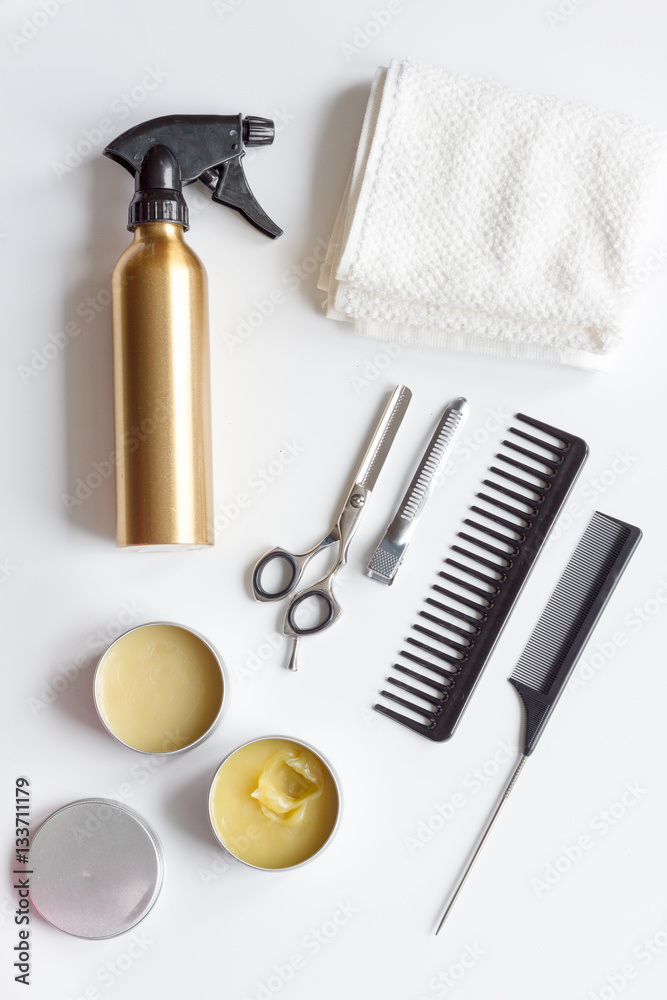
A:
[165,153]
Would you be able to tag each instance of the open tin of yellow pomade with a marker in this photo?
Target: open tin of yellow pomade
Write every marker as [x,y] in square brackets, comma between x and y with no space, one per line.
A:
[160,688]
[275,803]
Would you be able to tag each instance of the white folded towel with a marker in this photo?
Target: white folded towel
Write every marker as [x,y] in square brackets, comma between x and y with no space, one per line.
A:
[483,218]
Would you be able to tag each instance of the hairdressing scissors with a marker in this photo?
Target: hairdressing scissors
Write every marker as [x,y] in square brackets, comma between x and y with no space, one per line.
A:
[319,599]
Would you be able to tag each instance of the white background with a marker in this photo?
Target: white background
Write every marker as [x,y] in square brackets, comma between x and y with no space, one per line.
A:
[218,934]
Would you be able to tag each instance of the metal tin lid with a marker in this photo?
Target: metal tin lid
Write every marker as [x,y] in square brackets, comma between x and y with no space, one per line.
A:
[97,868]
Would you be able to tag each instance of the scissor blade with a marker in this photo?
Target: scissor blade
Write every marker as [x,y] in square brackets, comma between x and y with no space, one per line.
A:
[383,438]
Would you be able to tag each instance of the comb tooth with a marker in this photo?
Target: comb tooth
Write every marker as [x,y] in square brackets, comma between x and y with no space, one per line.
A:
[514,548]
[476,622]
[449,625]
[553,448]
[482,577]
[550,463]
[435,699]
[484,562]
[532,505]
[441,671]
[497,519]
[518,481]
[485,545]
[444,639]
[546,477]
[570,602]
[510,510]
[434,652]
[441,684]
[429,713]
[563,440]
[461,599]
[424,729]
[546,429]
[484,594]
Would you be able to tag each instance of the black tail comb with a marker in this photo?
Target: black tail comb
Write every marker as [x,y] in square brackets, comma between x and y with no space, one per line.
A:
[567,621]
[459,626]
[562,631]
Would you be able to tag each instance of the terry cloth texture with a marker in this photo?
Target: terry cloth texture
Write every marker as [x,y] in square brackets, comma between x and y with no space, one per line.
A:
[482,218]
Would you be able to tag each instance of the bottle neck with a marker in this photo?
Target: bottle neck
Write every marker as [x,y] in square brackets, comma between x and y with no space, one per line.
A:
[148,232]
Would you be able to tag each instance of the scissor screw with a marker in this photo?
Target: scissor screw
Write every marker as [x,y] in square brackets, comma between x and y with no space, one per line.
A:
[357,500]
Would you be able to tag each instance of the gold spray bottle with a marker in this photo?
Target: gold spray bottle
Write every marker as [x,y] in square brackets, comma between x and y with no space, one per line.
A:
[162,395]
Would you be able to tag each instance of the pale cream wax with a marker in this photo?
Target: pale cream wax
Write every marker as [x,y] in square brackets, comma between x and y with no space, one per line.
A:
[159,688]
[274,803]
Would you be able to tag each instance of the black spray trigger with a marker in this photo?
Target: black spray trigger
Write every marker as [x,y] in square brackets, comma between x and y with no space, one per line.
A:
[203,147]
[230,187]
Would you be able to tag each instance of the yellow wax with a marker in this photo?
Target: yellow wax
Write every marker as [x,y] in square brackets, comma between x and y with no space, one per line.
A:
[159,688]
[274,803]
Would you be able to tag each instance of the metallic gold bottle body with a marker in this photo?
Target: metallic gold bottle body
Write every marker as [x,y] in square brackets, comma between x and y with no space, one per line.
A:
[162,394]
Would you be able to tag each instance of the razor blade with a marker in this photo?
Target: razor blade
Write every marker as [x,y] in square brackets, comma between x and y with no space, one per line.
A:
[391,550]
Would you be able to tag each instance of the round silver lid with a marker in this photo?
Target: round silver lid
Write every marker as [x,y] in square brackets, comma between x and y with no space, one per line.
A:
[97,868]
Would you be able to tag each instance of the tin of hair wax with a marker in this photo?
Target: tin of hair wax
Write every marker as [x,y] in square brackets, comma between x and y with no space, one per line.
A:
[160,688]
[97,868]
[275,803]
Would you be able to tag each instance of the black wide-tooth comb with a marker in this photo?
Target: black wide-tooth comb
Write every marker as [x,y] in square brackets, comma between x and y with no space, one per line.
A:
[479,587]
